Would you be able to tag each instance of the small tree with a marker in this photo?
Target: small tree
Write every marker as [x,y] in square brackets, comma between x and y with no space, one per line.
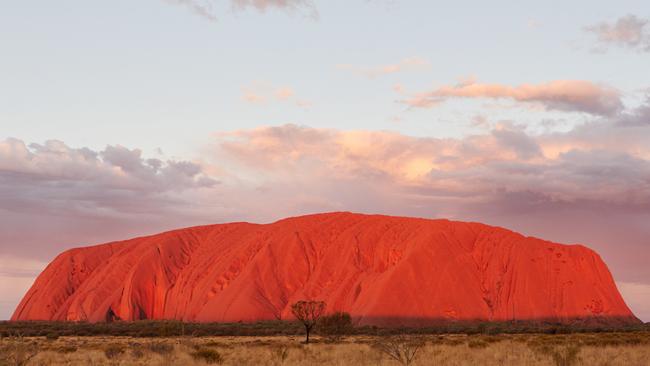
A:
[308,312]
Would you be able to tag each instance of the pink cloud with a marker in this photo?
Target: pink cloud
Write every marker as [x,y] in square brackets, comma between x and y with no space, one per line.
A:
[262,92]
[284,93]
[563,95]
[407,64]
[288,5]
[251,96]
[265,4]
[628,31]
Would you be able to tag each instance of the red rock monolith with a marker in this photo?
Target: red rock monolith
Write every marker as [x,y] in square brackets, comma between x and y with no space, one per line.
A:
[382,270]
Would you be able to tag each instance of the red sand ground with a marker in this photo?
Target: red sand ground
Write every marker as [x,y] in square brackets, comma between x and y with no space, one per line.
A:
[383,270]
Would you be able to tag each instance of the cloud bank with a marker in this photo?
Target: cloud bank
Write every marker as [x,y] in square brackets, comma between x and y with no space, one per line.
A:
[554,168]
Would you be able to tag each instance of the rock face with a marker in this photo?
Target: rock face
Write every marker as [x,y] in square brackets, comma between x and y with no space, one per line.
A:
[383,270]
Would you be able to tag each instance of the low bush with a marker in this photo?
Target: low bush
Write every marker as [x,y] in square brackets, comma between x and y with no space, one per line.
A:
[335,326]
[207,355]
[477,343]
[340,325]
[161,348]
[137,353]
[114,350]
[403,349]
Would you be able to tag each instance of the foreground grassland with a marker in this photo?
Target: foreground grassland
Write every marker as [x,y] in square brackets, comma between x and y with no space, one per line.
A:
[629,348]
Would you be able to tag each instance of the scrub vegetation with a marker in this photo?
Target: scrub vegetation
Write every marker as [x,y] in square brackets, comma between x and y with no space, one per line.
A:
[335,343]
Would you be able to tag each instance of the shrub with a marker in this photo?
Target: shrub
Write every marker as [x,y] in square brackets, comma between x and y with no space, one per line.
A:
[170,328]
[335,325]
[113,350]
[137,353]
[400,348]
[52,336]
[477,343]
[161,348]
[208,355]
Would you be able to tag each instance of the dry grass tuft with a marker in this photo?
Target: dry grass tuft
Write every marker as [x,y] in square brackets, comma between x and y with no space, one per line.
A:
[114,350]
[208,355]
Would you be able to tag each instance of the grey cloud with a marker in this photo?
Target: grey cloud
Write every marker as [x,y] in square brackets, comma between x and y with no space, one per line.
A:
[203,8]
[524,146]
[128,160]
[206,8]
[637,117]
[266,4]
[55,177]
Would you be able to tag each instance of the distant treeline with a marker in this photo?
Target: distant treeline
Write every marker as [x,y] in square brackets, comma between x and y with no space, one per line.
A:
[151,328]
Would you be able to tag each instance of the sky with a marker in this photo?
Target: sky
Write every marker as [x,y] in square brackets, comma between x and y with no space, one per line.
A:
[123,118]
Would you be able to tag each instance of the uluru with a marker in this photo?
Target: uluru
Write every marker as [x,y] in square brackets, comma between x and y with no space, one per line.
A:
[383,270]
